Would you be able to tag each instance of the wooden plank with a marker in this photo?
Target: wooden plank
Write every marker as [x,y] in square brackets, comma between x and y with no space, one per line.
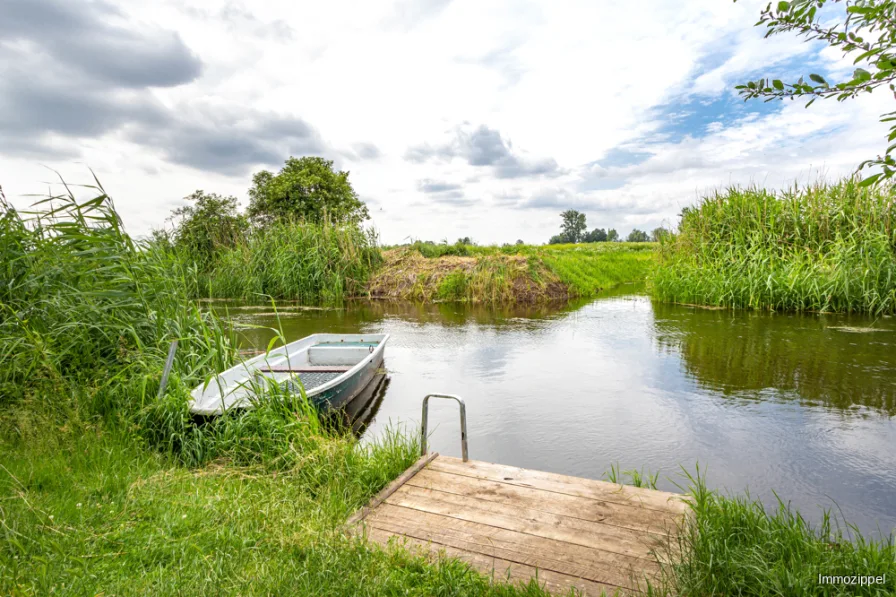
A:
[587,509]
[389,489]
[528,550]
[499,570]
[525,520]
[600,490]
[606,538]
[306,369]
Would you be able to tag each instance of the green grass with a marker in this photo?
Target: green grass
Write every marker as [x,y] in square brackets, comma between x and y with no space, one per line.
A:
[87,511]
[589,268]
[819,248]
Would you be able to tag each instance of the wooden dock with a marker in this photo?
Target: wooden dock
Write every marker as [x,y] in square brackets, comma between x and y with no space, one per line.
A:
[517,524]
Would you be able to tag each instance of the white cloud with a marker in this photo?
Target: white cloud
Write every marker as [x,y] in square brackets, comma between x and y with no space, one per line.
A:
[562,83]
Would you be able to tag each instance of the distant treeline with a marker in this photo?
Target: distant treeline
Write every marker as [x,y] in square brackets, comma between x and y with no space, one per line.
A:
[575,230]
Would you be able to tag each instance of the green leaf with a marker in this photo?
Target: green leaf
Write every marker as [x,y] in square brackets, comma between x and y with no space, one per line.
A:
[860,10]
[818,79]
[778,84]
[870,180]
[868,54]
[862,75]
[783,6]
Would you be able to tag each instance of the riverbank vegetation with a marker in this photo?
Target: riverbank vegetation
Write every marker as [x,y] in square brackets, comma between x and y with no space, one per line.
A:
[508,274]
[108,485]
[300,238]
[825,247]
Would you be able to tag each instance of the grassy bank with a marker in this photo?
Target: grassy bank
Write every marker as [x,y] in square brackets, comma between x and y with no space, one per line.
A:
[88,511]
[510,274]
[820,248]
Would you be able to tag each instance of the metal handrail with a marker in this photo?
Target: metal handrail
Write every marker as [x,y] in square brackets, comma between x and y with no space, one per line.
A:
[463,422]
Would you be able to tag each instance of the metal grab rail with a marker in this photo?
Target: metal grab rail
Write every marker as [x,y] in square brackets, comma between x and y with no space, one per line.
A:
[463,422]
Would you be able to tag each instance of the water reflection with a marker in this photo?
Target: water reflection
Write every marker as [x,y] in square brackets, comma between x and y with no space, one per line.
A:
[841,361]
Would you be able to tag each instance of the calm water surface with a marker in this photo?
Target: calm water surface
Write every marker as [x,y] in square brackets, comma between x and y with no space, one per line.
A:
[801,405]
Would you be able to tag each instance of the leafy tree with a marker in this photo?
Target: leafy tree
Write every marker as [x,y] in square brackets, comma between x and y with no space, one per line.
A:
[465,241]
[558,239]
[659,233]
[307,188]
[573,227]
[866,27]
[209,223]
[598,235]
[637,236]
[519,241]
[612,235]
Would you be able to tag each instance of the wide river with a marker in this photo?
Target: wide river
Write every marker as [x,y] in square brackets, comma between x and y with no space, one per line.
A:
[798,405]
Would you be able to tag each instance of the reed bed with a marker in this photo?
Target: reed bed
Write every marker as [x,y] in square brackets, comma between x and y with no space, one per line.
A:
[311,263]
[825,247]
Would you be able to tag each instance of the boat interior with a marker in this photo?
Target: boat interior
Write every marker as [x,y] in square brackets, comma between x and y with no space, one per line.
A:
[317,364]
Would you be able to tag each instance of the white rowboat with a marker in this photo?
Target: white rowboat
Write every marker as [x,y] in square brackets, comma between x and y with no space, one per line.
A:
[332,368]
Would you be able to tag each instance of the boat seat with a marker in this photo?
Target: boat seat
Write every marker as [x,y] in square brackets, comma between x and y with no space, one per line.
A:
[334,355]
[304,369]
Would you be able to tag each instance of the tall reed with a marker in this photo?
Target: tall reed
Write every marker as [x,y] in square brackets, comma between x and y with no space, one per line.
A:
[86,317]
[825,247]
[311,263]
[81,302]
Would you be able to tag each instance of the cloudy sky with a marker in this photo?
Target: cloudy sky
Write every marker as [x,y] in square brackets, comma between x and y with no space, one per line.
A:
[455,117]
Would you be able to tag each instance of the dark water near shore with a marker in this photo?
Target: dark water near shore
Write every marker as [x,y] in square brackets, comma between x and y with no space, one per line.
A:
[800,404]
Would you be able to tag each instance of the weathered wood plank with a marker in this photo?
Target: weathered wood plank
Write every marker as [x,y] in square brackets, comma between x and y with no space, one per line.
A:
[591,535]
[499,570]
[547,554]
[534,522]
[588,509]
[389,489]
[607,539]
[600,490]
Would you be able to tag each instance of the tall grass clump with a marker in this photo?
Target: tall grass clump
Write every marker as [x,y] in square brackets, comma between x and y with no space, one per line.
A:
[736,546]
[825,247]
[308,262]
